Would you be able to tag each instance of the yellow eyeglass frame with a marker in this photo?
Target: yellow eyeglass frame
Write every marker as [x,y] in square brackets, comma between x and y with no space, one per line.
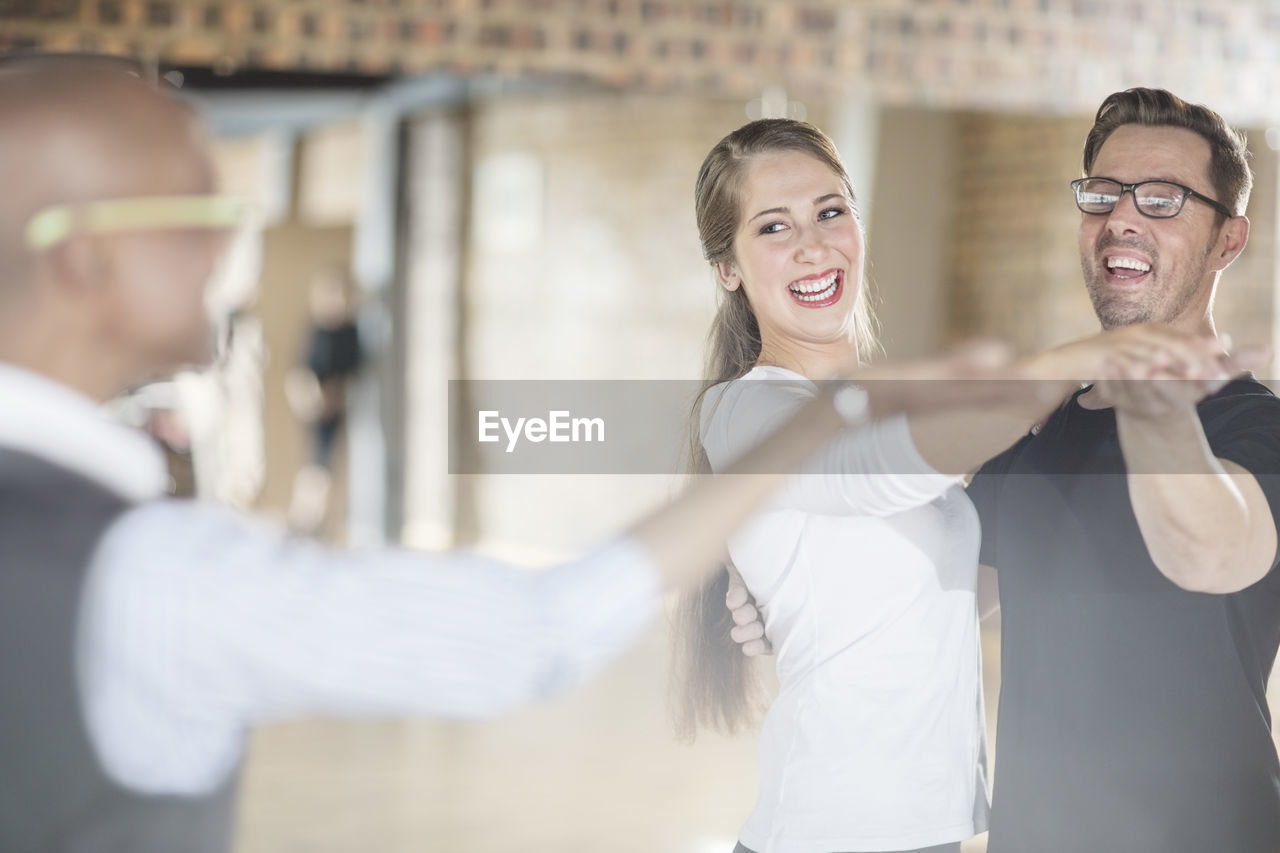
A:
[51,226]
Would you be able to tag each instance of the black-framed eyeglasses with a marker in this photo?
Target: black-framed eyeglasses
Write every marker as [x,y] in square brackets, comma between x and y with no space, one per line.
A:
[1156,199]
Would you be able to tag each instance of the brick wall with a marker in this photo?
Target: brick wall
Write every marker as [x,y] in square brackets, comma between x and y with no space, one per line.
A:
[1246,303]
[1015,267]
[615,275]
[1056,55]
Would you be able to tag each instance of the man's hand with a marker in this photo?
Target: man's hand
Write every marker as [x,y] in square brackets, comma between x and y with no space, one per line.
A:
[1166,376]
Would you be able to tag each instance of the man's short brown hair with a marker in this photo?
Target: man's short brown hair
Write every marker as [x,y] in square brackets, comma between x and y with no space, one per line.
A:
[1229,155]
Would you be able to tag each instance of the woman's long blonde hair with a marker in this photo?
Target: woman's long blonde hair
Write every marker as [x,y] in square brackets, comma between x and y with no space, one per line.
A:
[713,684]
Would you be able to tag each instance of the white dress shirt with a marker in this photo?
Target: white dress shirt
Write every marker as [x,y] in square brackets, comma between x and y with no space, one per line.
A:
[196,622]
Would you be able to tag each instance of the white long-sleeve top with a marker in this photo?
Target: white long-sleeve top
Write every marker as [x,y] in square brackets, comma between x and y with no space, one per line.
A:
[195,622]
[864,569]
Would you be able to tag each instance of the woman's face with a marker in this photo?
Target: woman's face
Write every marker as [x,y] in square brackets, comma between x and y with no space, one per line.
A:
[798,255]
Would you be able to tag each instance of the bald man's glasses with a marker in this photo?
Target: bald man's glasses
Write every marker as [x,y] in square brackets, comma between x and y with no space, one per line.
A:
[53,225]
[148,70]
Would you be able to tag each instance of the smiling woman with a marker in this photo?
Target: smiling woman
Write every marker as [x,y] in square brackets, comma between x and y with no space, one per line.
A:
[799,261]
[781,229]
[773,189]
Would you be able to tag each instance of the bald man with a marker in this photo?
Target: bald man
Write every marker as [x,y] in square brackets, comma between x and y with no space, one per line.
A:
[140,638]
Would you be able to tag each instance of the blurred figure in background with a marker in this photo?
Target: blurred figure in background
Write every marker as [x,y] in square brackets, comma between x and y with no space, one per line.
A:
[140,638]
[317,392]
[223,406]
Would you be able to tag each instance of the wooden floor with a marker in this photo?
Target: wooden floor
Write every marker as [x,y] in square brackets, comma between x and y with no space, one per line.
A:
[597,771]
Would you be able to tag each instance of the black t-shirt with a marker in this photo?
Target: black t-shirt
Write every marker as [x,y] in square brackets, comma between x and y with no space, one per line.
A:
[1133,715]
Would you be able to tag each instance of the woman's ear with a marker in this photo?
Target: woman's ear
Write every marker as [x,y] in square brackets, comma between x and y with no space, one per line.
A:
[727,275]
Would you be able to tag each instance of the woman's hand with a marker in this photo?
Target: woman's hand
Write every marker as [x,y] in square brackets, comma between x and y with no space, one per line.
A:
[1143,350]
[748,630]
[1156,389]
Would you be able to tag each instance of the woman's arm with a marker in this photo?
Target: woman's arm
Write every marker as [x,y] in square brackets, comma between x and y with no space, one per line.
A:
[904,462]
[958,440]
[687,537]
[875,470]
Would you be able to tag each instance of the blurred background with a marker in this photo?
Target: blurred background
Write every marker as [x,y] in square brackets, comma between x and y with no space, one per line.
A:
[502,189]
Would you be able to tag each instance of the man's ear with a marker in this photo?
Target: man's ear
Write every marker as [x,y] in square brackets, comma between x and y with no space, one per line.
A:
[727,275]
[77,265]
[1231,241]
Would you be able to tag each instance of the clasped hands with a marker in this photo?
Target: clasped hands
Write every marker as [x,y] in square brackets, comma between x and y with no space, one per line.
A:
[1146,371]
[1150,370]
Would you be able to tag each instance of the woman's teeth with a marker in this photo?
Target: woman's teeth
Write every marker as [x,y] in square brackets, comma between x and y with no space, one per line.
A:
[816,291]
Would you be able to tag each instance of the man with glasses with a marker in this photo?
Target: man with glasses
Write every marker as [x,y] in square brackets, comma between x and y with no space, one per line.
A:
[1134,536]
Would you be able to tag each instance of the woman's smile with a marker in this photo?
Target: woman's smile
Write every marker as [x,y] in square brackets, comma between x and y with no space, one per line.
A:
[818,290]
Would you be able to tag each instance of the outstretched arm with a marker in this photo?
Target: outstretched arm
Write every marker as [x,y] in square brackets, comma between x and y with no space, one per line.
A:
[958,440]
[197,623]
[687,537]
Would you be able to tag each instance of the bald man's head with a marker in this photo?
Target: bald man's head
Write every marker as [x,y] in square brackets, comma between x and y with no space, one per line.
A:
[75,130]
[122,304]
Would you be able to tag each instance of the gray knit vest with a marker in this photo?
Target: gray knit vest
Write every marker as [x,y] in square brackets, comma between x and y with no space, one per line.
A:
[54,793]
